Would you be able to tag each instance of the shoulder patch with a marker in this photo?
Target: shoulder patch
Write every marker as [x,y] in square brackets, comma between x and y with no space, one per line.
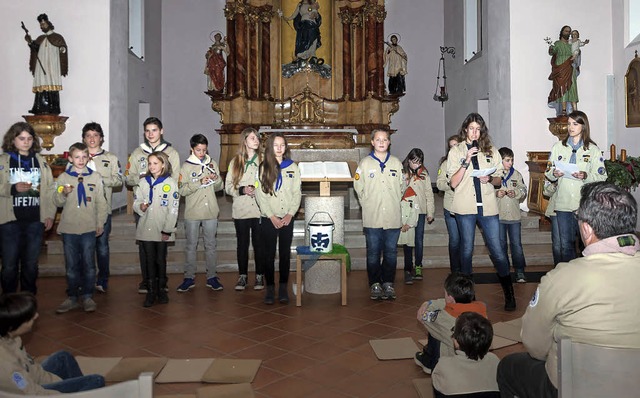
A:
[602,171]
[356,177]
[19,380]
[166,188]
[534,299]
[176,195]
[60,188]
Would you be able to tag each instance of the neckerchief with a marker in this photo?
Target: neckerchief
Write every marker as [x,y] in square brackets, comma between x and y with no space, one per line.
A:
[27,163]
[82,193]
[505,179]
[91,165]
[574,149]
[420,174]
[251,162]
[149,180]
[382,164]
[283,165]
[159,148]
[204,163]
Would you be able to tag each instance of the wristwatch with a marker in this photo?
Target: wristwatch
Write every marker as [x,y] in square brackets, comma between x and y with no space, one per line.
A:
[465,164]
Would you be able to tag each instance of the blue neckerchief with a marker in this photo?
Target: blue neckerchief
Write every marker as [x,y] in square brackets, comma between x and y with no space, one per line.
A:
[283,165]
[505,179]
[382,164]
[82,193]
[149,179]
[25,163]
[574,149]
[250,162]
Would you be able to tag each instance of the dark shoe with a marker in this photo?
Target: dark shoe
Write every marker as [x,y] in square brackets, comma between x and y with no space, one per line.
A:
[376,292]
[269,296]
[509,296]
[149,300]
[418,273]
[388,292]
[214,283]
[259,285]
[163,297]
[186,285]
[242,283]
[408,278]
[520,277]
[421,360]
[283,294]
[143,287]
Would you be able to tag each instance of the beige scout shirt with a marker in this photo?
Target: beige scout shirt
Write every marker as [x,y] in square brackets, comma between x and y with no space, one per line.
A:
[379,192]
[410,212]
[77,218]
[442,182]
[200,201]
[162,213]
[107,165]
[509,208]
[424,192]
[591,299]
[137,164]
[464,197]
[458,374]
[287,199]
[19,373]
[244,206]
[590,161]
[47,188]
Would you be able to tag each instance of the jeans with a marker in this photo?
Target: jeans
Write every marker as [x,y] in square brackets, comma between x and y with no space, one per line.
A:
[141,257]
[192,230]
[65,366]
[102,251]
[567,231]
[283,238]
[556,248]
[513,232]
[247,231]
[80,263]
[155,254]
[381,242]
[490,226]
[419,246]
[454,241]
[525,377]
[21,243]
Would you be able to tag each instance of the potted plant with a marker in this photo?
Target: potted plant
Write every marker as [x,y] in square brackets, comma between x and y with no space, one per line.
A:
[625,174]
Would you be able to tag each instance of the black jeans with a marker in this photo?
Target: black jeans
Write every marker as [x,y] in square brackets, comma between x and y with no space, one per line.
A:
[21,244]
[247,230]
[283,238]
[156,262]
[525,377]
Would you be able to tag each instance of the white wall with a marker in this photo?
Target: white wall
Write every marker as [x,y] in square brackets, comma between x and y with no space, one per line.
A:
[85,95]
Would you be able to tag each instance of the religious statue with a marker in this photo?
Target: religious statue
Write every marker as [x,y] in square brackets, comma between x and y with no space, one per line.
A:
[214,68]
[395,59]
[563,73]
[306,22]
[48,63]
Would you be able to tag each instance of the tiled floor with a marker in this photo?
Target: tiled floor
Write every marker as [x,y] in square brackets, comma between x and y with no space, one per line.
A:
[318,350]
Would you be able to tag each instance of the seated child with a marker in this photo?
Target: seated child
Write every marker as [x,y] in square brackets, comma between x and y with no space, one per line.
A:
[473,368]
[439,317]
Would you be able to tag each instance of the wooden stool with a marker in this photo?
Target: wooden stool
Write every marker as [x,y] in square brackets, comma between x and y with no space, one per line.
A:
[342,257]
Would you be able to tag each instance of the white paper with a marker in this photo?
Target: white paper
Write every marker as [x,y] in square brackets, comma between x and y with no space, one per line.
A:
[568,169]
[324,169]
[483,172]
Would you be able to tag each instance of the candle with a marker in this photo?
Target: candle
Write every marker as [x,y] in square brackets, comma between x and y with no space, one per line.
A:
[623,155]
[613,152]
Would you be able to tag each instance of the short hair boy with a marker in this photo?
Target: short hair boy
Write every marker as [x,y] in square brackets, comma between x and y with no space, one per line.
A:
[473,369]
[439,317]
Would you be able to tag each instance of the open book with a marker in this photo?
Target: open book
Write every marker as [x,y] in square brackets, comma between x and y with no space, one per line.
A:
[324,170]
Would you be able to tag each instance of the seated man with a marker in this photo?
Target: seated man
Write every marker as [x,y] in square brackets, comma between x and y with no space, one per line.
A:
[589,299]
[19,373]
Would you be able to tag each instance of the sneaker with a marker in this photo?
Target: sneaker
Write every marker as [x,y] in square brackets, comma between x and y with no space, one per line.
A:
[214,283]
[520,278]
[376,292]
[408,278]
[242,283]
[421,360]
[186,285]
[89,305]
[143,288]
[101,286]
[388,292]
[67,305]
[259,285]
[418,273]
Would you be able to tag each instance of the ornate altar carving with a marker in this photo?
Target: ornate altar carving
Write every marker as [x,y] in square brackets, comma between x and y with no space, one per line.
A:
[258,95]
[536,201]
[47,126]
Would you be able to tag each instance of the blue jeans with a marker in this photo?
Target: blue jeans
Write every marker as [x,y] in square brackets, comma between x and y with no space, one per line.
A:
[419,246]
[381,242]
[102,251]
[21,243]
[192,230]
[454,241]
[490,226]
[556,248]
[567,230]
[65,366]
[513,232]
[80,263]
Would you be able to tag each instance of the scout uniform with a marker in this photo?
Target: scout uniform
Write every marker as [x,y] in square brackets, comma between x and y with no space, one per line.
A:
[200,201]
[162,214]
[286,199]
[19,373]
[244,206]
[460,375]
[442,182]
[85,208]
[421,184]
[410,211]
[137,164]
[509,208]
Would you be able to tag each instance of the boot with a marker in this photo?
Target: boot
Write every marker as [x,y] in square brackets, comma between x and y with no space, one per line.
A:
[150,298]
[283,294]
[163,297]
[507,288]
[269,296]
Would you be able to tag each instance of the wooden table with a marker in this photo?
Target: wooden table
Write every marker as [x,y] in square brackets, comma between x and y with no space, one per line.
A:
[342,257]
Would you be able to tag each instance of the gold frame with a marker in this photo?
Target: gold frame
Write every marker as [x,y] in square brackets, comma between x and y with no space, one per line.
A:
[632,93]
[288,38]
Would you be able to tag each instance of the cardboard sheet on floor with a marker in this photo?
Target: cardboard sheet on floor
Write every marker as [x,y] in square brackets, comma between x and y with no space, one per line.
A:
[500,342]
[176,396]
[424,387]
[423,342]
[242,390]
[232,371]
[507,330]
[184,370]
[402,348]
[130,368]
[97,366]
[515,322]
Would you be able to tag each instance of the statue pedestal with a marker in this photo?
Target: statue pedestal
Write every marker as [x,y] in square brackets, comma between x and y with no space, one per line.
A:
[558,126]
[47,126]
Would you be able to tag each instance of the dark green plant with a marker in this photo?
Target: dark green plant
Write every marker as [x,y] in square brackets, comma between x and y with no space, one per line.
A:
[624,174]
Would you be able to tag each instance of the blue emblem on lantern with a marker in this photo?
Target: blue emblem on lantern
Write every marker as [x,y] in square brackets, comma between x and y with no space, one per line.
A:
[319,241]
